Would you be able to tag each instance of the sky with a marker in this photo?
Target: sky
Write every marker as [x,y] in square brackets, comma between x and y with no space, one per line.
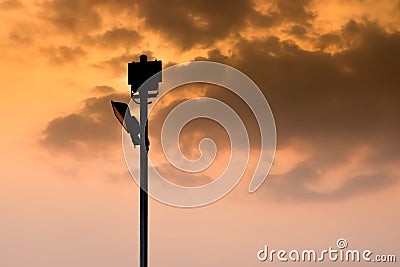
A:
[329,70]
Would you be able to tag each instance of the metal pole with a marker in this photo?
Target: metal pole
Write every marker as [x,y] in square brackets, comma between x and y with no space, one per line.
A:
[144,148]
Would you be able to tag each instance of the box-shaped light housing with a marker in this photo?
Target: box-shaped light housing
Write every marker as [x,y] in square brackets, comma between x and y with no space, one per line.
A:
[139,72]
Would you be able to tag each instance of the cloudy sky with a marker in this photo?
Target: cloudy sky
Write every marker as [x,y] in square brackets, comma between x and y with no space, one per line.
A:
[329,70]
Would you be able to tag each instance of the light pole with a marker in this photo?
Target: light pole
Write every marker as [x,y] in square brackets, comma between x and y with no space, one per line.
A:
[138,74]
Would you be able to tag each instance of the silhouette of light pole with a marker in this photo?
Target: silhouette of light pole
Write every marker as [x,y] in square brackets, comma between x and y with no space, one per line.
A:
[138,74]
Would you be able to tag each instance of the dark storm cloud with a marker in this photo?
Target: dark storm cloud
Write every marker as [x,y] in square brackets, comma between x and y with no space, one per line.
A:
[350,93]
[190,23]
[334,103]
[11,4]
[92,129]
[63,54]
[295,11]
[185,23]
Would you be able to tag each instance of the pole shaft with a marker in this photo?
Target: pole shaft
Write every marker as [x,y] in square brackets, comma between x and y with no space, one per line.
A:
[143,179]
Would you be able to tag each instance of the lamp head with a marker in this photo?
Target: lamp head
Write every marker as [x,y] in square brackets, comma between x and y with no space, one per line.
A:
[139,72]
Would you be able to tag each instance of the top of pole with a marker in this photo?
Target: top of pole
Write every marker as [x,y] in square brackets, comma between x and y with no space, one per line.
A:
[143,58]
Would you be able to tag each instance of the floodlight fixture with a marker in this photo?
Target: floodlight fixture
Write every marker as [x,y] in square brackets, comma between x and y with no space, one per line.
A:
[129,122]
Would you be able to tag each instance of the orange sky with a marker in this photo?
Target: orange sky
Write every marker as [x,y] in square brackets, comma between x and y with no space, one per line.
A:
[329,70]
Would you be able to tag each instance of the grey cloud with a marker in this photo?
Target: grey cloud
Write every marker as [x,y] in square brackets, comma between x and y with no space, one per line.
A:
[296,11]
[333,104]
[88,131]
[315,93]
[186,23]
[191,23]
